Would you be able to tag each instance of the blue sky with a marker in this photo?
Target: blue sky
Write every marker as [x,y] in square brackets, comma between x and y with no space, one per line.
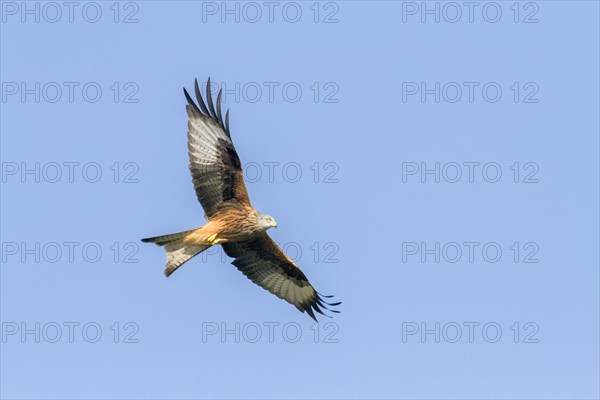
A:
[436,169]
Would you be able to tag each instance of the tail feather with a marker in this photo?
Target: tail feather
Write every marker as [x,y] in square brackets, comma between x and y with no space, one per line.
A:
[164,239]
[178,252]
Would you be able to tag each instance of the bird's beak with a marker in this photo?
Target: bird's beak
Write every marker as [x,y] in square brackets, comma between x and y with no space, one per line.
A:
[274,224]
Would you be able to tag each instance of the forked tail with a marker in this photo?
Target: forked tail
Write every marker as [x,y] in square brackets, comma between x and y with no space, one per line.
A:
[178,252]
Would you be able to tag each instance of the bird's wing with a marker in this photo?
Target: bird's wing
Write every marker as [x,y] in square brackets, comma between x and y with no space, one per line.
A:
[214,164]
[265,264]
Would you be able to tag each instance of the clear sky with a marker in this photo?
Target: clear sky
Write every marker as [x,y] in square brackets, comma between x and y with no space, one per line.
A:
[438,177]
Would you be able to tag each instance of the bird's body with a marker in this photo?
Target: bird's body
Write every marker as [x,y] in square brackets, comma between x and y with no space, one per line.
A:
[231,220]
[236,224]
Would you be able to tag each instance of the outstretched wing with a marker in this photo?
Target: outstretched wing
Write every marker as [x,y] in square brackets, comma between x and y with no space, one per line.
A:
[214,164]
[265,264]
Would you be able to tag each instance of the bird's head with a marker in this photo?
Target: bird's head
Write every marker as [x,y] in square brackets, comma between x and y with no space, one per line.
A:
[266,221]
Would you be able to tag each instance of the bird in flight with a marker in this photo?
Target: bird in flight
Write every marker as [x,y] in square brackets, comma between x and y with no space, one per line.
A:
[232,222]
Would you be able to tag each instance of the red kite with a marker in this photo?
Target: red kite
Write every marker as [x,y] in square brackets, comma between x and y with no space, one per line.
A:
[232,221]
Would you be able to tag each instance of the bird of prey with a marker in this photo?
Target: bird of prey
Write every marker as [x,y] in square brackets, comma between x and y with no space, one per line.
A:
[232,222]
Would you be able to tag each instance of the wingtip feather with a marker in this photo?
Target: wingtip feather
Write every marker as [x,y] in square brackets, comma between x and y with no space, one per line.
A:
[209,99]
[199,97]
